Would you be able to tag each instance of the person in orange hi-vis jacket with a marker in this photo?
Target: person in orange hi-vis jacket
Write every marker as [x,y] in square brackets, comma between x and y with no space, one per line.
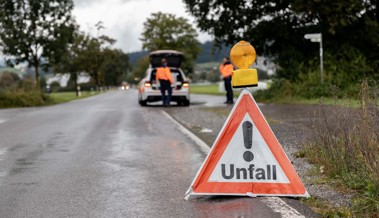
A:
[165,79]
[226,69]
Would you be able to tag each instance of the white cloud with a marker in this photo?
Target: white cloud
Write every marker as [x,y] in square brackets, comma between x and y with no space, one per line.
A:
[123,19]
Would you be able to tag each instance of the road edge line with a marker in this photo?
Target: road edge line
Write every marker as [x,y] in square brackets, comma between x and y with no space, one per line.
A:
[278,205]
[202,145]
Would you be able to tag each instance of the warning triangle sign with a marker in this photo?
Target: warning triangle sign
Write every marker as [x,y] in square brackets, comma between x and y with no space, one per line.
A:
[247,159]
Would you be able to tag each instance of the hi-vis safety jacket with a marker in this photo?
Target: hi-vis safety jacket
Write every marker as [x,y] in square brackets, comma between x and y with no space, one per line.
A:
[164,73]
[226,70]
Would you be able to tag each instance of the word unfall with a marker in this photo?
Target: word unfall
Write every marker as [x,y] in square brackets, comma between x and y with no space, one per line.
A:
[249,173]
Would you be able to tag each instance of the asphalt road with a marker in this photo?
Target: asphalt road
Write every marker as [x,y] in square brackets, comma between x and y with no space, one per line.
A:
[105,156]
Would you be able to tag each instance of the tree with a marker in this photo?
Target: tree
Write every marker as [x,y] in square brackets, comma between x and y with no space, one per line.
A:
[71,59]
[35,31]
[116,65]
[166,31]
[92,57]
[141,67]
[276,28]
[95,56]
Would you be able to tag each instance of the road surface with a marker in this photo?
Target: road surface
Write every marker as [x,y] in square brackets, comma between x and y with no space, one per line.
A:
[105,156]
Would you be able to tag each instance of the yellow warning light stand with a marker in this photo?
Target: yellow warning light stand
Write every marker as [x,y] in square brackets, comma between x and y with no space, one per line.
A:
[243,56]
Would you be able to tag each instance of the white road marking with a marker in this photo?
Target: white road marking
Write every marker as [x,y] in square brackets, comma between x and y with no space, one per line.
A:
[203,146]
[2,174]
[275,203]
[205,130]
[2,121]
[2,152]
[280,206]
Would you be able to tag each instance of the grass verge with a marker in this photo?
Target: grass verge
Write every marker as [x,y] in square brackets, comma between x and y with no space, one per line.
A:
[313,101]
[345,145]
[325,209]
[10,98]
[61,97]
[13,98]
[211,89]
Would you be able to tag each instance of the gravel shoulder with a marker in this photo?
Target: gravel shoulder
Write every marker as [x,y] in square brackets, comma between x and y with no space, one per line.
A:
[291,125]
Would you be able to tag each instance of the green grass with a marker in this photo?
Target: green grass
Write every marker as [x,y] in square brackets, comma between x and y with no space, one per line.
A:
[211,89]
[322,207]
[61,97]
[314,101]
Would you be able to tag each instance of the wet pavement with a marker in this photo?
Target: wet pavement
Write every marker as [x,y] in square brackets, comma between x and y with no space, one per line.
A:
[105,156]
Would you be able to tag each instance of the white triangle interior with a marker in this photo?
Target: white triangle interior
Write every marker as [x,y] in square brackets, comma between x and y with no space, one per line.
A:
[265,167]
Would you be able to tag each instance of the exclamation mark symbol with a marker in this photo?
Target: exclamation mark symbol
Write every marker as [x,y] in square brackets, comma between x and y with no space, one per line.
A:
[247,127]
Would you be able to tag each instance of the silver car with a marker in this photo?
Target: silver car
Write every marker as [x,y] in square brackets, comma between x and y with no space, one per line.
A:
[148,88]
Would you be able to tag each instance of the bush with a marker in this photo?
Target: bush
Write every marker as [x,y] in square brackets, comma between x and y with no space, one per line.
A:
[55,86]
[344,71]
[25,95]
[21,98]
[346,143]
[8,80]
[213,76]
[280,88]
[308,88]
[263,75]
[90,86]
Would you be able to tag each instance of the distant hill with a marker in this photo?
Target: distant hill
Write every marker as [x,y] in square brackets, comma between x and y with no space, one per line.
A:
[208,54]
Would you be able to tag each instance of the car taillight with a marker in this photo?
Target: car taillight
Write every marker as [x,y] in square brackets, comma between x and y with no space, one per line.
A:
[185,84]
[147,84]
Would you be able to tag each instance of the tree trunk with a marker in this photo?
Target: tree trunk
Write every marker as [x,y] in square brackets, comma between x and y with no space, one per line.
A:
[36,67]
[96,77]
[75,75]
[74,78]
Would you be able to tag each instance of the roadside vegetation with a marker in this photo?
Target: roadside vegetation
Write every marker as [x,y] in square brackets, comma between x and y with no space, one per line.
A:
[17,92]
[162,31]
[261,96]
[23,96]
[61,97]
[345,147]
[211,89]
[40,38]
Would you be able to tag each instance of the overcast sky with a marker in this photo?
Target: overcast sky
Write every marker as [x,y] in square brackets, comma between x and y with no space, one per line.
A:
[123,19]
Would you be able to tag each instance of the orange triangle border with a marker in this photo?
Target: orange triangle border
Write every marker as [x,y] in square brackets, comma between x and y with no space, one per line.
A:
[201,186]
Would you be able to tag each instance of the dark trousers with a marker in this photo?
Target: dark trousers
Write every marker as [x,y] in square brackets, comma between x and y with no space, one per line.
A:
[166,85]
[228,88]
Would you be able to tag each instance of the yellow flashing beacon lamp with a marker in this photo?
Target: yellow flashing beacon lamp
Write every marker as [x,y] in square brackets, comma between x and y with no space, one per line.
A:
[243,56]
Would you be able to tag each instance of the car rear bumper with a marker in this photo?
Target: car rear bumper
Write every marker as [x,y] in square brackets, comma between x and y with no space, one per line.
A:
[159,98]
[155,95]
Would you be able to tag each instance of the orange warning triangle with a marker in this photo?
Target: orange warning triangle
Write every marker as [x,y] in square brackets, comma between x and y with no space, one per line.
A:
[247,159]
